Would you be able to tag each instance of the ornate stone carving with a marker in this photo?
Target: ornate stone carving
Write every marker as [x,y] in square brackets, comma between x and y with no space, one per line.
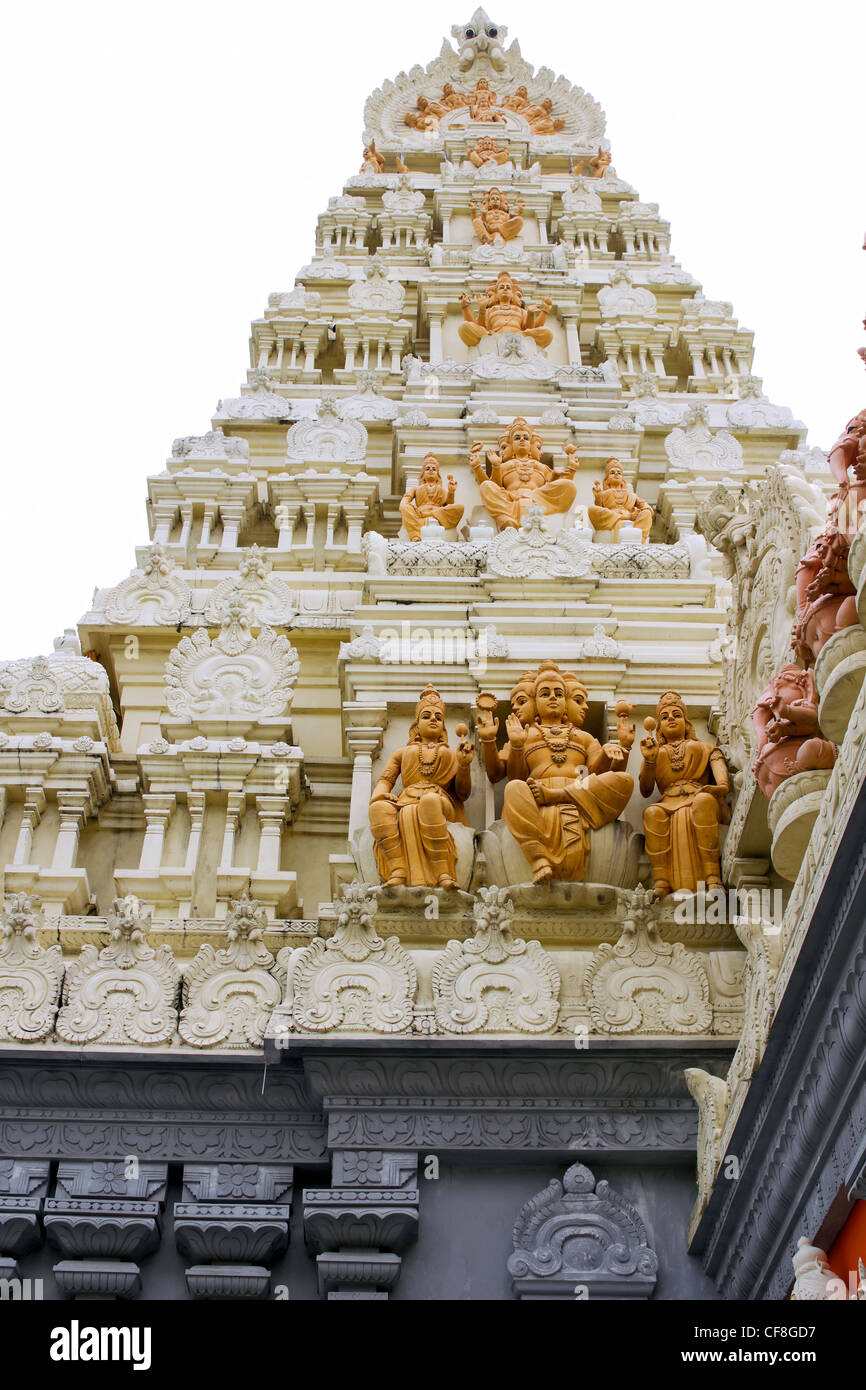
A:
[267,599]
[30,975]
[455,558]
[533,552]
[682,827]
[155,593]
[493,217]
[213,445]
[713,1097]
[491,982]
[366,647]
[377,292]
[697,449]
[501,310]
[518,478]
[621,298]
[370,403]
[600,647]
[235,675]
[644,984]
[355,981]
[791,816]
[124,994]
[648,407]
[581,1234]
[260,404]
[814,1280]
[325,269]
[328,439]
[581,197]
[755,411]
[229,995]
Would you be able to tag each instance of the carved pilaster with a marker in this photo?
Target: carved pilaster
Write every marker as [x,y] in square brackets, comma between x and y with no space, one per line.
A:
[23,1185]
[357,1227]
[103,1218]
[232,1224]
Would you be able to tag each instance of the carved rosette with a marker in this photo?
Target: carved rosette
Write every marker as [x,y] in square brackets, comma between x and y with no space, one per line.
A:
[644,984]
[229,995]
[124,994]
[30,975]
[355,981]
[492,982]
[581,1232]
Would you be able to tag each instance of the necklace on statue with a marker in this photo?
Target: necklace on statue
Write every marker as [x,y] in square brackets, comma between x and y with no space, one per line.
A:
[427,764]
[677,755]
[556,739]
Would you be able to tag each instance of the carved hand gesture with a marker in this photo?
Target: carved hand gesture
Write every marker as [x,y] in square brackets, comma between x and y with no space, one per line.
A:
[465,752]
[616,754]
[650,750]
[487,725]
[515,730]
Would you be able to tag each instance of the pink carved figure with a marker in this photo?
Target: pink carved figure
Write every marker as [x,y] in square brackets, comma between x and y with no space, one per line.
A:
[847,457]
[826,601]
[786,723]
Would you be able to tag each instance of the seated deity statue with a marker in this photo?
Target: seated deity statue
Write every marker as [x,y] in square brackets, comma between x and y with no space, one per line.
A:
[493,218]
[786,725]
[374,162]
[563,783]
[616,505]
[483,102]
[682,827]
[451,99]
[541,119]
[501,310]
[487,725]
[519,480]
[430,500]
[599,164]
[826,602]
[410,830]
[426,115]
[487,151]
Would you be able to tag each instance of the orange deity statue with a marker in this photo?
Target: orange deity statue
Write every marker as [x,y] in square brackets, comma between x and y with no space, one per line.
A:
[518,101]
[519,480]
[410,830]
[487,725]
[374,162]
[425,115]
[616,505]
[501,310]
[430,500]
[786,725]
[487,151]
[541,119]
[562,783]
[682,827]
[600,163]
[494,218]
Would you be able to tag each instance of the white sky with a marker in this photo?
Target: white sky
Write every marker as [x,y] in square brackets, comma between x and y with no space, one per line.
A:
[165,163]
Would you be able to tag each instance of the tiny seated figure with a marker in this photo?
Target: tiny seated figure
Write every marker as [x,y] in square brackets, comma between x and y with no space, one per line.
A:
[410,830]
[374,162]
[682,828]
[486,151]
[826,602]
[563,783]
[786,724]
[541,119]
[518,478]
[518,101]
[616,505]
[494,218]
[599,164]
[430,500]
[501,310]
[483,102]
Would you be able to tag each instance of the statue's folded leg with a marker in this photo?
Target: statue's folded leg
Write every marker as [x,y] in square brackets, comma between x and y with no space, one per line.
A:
[542,336]
[657,832]
[449,517]
[471,333]
[643,520]
[603,519]
[512,228]
[602,796]
[412,520]
[556,496]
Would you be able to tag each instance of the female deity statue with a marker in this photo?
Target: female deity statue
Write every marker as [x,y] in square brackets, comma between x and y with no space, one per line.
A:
[786,724]
[518,478]
[682,828]
[616,504]
[410,831]
[562,783]
[501,311]
[430,500]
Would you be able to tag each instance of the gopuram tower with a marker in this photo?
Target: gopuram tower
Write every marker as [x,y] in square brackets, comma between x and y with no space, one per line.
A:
[374,854]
